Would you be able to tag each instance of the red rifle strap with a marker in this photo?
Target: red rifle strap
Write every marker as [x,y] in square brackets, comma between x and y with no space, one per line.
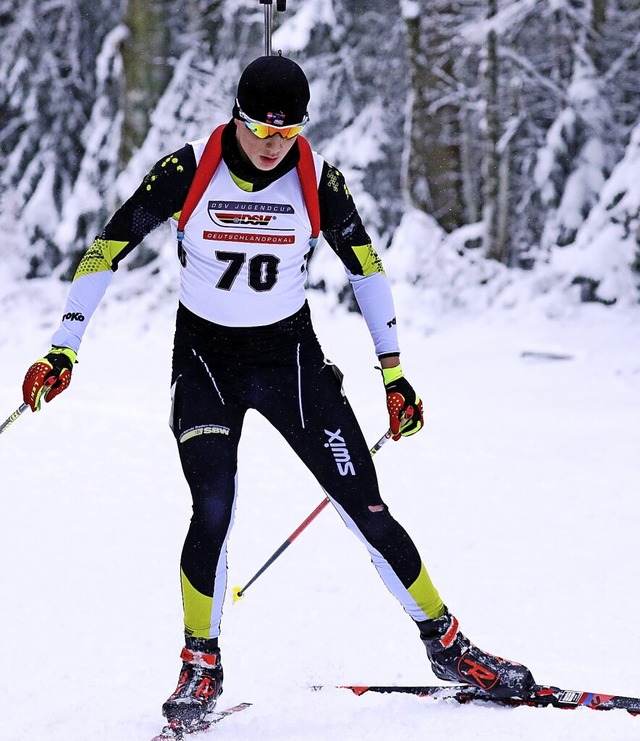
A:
[210,160]
[206,168]
[309,184]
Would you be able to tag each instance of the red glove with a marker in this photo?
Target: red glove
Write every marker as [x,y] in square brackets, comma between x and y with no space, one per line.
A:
[48,377]
[403,404]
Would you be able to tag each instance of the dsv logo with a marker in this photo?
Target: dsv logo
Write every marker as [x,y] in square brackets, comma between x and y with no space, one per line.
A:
[73,316]
[340,453]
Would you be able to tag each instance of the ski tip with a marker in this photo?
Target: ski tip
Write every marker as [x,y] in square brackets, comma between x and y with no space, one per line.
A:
[237,594]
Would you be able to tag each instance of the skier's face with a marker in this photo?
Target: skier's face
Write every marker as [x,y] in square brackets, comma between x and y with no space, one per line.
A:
[265,154]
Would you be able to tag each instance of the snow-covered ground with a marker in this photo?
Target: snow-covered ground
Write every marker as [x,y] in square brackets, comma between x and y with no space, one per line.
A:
[521,493]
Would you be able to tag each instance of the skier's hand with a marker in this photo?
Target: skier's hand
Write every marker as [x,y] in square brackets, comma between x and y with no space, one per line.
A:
[48,377]
[403,404]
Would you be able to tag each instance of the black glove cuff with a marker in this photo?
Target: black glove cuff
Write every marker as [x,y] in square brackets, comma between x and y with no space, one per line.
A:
[59,362]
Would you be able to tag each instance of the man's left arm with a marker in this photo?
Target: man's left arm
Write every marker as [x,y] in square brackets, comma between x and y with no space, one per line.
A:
[345,233]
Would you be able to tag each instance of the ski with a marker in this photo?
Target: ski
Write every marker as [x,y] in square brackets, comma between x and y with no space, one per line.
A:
[178,731]
[542,696]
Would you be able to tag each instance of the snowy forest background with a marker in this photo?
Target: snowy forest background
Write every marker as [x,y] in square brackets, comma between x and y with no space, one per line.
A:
[488,143]
[493,148]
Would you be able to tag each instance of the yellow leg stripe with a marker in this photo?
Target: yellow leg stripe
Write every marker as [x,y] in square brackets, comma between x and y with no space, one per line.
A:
[426,595]
[197,610]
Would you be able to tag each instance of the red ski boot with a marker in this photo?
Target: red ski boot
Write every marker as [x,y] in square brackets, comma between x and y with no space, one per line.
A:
[455,659]
[199,685]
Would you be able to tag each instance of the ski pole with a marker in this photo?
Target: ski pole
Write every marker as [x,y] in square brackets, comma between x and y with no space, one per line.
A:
[238,592]
[12,417]
[23,408]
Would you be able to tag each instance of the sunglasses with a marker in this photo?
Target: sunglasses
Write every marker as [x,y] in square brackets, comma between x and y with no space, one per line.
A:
[264,131]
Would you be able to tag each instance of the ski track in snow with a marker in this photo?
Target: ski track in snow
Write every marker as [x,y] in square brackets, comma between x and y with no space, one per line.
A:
[520,493]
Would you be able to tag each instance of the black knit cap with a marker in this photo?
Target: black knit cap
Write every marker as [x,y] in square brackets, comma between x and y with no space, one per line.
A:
[273,90]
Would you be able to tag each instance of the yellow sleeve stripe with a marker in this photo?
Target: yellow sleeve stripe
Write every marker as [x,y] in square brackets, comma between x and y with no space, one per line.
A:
[368,259]
[99,257]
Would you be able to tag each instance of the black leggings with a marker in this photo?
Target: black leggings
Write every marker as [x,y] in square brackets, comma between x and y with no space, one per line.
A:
[280,371]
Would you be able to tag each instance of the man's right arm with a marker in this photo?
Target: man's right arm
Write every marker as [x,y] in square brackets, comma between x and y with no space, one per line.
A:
[159,196]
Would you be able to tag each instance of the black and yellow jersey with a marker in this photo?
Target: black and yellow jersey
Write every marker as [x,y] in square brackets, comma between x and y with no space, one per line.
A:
[239,274]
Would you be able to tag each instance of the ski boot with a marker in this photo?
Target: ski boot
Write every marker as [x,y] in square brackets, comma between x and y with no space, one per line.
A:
[455,659]
[199,685]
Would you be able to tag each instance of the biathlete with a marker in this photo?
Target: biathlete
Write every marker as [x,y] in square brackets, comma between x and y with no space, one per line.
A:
[244,340]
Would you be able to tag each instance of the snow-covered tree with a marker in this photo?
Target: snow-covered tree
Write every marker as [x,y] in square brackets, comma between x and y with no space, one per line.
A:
[48,86]
[577,157]
[604,258]
[501,120]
